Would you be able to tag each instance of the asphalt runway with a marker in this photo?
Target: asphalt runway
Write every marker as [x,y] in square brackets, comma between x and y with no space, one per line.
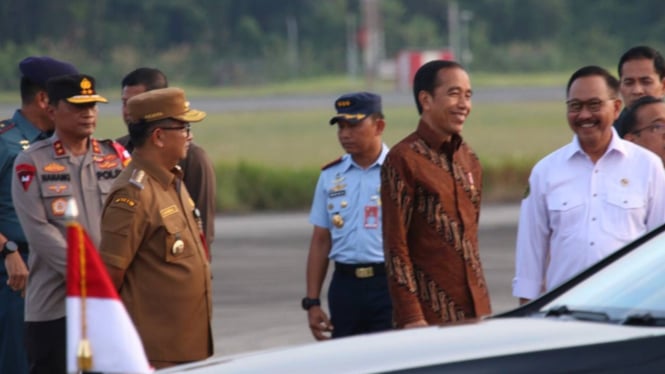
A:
[259,276]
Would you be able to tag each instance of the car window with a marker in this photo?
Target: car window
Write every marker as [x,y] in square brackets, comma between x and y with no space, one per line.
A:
[634,283]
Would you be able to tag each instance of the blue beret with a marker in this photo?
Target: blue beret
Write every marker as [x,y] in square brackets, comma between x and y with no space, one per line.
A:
[40,69]
[354,107]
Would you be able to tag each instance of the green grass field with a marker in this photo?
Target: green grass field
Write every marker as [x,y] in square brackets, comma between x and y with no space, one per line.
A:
[297,139]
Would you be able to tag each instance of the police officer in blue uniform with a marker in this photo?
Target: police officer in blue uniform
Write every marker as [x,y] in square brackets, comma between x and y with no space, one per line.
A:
[346,214]
[28,124]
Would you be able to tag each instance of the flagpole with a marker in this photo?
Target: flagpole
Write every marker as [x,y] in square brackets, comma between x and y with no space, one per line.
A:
[84,350]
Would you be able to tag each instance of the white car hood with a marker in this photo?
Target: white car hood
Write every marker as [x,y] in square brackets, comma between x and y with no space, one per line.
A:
[401,349]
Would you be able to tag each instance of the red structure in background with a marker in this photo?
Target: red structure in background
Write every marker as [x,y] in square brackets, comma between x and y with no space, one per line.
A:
[408,63]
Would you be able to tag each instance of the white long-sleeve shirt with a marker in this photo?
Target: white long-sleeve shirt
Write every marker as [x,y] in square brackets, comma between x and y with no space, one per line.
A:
[578,212]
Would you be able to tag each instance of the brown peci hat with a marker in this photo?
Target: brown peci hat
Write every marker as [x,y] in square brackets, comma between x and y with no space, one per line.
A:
[162,103]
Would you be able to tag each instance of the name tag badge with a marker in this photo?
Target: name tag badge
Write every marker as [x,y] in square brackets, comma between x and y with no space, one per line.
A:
[371,217]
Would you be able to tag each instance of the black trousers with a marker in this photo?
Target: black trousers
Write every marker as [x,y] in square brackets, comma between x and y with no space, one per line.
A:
[359,305]
[46,346]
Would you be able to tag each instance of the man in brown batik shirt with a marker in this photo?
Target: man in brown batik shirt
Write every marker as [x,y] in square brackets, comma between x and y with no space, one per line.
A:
[430,191]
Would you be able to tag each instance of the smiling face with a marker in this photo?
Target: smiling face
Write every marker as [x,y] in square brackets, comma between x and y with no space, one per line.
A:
[591,111]
[448,106]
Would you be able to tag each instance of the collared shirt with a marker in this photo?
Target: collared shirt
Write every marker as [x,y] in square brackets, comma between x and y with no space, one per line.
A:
[430,191]
[149,232]
[199,177]
[16,135]
[347,202]
[45,177]
[578,212]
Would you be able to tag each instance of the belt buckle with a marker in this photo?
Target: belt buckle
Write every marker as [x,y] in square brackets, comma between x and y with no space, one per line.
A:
[366,272]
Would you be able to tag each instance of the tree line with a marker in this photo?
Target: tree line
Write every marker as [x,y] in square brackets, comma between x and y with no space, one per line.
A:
[231,42]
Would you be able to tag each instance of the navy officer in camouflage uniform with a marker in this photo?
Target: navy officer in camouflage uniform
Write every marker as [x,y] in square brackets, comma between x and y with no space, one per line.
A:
[29,124]
[346,214]
[71,164]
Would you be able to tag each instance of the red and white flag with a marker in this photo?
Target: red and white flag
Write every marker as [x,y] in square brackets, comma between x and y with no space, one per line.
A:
[100,335]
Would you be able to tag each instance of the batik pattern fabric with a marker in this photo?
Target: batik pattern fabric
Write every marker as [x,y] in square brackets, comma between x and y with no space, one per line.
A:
[431,193]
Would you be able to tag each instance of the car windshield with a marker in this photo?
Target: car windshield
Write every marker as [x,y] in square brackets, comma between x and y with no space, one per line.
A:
[629,288]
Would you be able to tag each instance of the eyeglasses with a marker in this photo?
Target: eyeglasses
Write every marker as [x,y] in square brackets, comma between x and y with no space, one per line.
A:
[186,127]
[656,128]
[594,105]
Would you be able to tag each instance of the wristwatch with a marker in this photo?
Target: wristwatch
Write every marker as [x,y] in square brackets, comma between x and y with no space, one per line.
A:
[308,303]
[8,248]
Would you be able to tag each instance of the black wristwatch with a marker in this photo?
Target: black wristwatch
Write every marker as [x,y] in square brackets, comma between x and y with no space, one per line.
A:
[8,248]
[308,303]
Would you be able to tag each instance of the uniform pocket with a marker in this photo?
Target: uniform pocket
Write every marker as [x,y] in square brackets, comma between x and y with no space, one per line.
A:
[178,241]
[566,211]
[56,195]
[624,214]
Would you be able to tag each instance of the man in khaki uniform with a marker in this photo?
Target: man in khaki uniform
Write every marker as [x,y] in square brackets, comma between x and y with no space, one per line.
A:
[151,238]
[69,165]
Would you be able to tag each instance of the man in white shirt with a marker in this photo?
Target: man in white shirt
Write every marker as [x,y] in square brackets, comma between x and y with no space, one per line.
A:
[588,198]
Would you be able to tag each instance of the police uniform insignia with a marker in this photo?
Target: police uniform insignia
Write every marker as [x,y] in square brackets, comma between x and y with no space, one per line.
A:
[125,200]
[25,174]
[137,178]
[337,220]
[343,204]
[95,146]
[59,207]
[178,247]
[57,188]
[54,167]
[337,190]
[58,148]
[25,144]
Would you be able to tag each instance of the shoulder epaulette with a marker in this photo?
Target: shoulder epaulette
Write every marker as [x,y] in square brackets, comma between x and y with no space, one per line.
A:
[120,151]
[331,163]
[6,125]
[137,178]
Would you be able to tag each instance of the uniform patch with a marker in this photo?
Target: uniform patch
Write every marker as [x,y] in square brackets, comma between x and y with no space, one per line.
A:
[56,178]
[59,207]
[124,200]
[54,167]
[108,174]
[371,217]
[168,211]
[105,164]
[25,174]
[57,188]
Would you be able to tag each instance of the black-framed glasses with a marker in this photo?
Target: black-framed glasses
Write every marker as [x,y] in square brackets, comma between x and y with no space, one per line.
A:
[656,128]
[187,127]
[594,105]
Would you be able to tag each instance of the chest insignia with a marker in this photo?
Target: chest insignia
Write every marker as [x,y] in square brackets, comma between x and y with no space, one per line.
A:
[54,167]
[168,211]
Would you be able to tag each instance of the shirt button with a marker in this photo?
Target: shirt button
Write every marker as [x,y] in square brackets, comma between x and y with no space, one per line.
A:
[593,219]
[594,195]
[596,171]
[625,201]
[591,244]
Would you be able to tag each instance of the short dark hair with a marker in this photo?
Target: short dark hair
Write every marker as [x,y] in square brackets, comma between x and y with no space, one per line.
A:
[426,78]
[629,119]
[644,52]
[29,90]
[151,78]
[591,71]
